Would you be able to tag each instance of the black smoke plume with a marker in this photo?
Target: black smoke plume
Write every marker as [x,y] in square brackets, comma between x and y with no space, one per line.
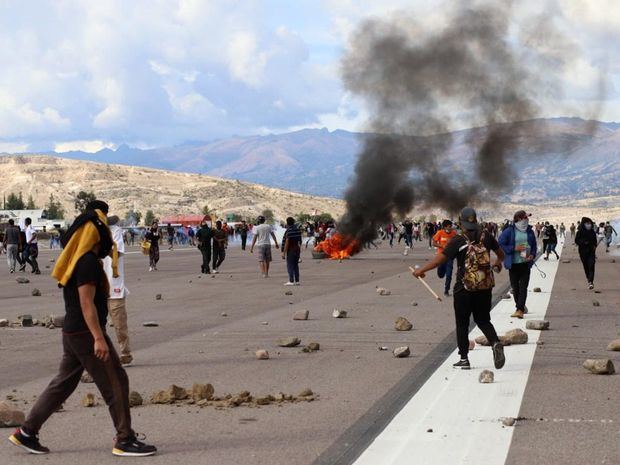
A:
[472,72]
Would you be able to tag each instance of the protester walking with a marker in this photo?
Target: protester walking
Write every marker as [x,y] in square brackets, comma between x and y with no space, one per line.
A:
[262,239]
[440,240]
[153,236]
[243,233]
[220,242]
[291,251]
[518,241]
[86,346]
[552,242]
[204,236]
[609,230]
[11,245]
[171,233]
[118,292]
[586,241]
[31,248]
[474,284]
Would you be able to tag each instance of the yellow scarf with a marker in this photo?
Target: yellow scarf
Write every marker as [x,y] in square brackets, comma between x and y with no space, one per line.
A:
[82,242]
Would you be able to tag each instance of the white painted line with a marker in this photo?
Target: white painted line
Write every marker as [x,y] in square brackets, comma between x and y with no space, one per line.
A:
[463,414]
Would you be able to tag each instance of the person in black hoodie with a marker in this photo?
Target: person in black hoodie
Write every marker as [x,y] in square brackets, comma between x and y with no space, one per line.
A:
[552,242]
[586,241]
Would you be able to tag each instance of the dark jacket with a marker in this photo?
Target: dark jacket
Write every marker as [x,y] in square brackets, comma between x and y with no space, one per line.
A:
[204,237]
[586,239]
[507,243]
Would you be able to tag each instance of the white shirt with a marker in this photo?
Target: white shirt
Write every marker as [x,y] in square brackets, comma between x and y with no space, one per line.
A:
[117,285]
[263,234]
[29,233]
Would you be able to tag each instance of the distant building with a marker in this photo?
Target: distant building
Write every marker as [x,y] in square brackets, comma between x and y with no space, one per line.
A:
[39,218]
[184,220]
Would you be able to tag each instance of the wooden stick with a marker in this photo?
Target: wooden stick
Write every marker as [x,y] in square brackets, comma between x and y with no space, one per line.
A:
[430,289]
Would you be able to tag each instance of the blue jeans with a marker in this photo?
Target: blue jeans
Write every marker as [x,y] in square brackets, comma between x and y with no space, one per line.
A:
[446,270]
[292,265]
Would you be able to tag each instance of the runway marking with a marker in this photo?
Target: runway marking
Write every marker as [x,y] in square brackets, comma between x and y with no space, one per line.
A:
[454,419]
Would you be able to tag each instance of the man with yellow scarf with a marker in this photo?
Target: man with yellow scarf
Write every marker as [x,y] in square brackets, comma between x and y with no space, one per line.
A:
[86,346]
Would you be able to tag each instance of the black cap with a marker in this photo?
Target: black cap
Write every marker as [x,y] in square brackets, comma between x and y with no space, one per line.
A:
[468,218]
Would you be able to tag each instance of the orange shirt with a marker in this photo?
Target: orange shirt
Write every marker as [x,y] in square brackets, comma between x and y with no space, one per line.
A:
[442,238]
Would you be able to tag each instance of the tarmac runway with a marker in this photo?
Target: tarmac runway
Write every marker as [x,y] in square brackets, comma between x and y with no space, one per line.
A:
[359,388]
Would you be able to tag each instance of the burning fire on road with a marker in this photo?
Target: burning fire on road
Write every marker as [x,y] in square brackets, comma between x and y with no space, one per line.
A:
[339,247]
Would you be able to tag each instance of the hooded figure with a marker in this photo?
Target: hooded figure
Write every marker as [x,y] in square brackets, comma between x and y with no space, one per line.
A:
[586,240]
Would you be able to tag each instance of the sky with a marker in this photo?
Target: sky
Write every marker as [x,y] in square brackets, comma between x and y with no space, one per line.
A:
[89,74]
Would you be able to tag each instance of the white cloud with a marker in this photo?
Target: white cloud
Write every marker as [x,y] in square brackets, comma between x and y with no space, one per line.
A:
[90,146]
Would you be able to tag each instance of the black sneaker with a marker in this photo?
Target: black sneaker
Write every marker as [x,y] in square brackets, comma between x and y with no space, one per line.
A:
[30,443]
[498,355]
[132,447]
[462,364]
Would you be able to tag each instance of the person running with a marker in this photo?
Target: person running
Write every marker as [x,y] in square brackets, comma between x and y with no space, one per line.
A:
[118,292]
[586,241]
[86,346]
[408,224]
[600,233]
[518,241]
[431,229]
[11,245]
[262,239]
[291,251]
[474,284]
[220,242]
[552,242]
[204,236]
[609,230]
[573,228]
[440,240]
[243,232]
[171,233]
[31,248]
[153,237]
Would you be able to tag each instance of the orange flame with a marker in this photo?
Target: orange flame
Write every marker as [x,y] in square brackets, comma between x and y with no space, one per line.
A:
[339,247]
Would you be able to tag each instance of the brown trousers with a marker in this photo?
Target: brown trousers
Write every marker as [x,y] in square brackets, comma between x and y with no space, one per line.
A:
[110,378]
[118,315]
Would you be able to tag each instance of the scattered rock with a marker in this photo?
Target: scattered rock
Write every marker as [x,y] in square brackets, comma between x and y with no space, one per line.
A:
[482,341]
[265,323]
[4,322]
[22,280]
[509,421]
[540,325]
[25,320]
[472,344]
[52,260]
[313,346]
[306,393]
[57,321]
[537,289]
[223,314]
[266,400]
[383,348]
[89,400]
[150,324]
[430,430]
[514,336]
[565,261]
[598,292]
[135,399]
[339,313]
[86,378]
[289,342]
[414,304]
[614,345]
[10,415]
[401,352]
[169,396]
[202,392]
[383,291]
[36,292]
[301,315]
[596,303]
[403,324]
[158,297]
[601,366]
[262,354]
[289,292]
[486,377]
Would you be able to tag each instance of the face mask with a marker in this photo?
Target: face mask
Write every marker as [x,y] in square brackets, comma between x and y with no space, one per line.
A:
[588,226]
[522,224]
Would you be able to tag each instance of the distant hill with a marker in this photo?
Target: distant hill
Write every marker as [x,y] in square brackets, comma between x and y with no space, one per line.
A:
[564,162]
[164,192]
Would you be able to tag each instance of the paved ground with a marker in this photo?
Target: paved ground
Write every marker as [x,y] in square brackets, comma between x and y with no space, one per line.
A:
[194,343]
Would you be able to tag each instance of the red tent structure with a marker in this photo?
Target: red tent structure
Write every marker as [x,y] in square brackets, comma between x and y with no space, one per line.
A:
[184,220]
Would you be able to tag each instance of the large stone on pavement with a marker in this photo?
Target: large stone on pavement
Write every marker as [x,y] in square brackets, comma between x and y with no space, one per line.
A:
[339,313]
[614,345]
[383,291]
[403,324]
[202,391]
[135,399]
[602,366]
[514,336]
[486,376]
[89,400]
[86,378]
[301,315]
[4,322]
[10,415]
[540,325]
[537,289]
[402,352]
[22,280]
[262,354]
[289,342]
[36,293]
[26,320]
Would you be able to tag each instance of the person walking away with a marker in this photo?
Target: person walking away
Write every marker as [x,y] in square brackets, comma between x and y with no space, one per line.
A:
[220,242]
[518,241]
[86,346]
[31,248]
[600,233]
[205,237]
[11,245]
[440,240]
[171,233]
[539,228]
[562,230]
[572,230]
[474,284]
[409,233]
[153,237]
[586,241]
[262,239]
[609,230]
[389,229]
[191,234]
[431,229]
[118,292]
[552,242]
[545,236]
[291,251]
[243,232]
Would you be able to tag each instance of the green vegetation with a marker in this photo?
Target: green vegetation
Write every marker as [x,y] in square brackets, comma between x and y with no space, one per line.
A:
[54,209]
[82,199]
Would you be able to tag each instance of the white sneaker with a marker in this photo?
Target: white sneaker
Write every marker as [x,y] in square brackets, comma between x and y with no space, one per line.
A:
[289,284]
[150,269]
[215,271]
